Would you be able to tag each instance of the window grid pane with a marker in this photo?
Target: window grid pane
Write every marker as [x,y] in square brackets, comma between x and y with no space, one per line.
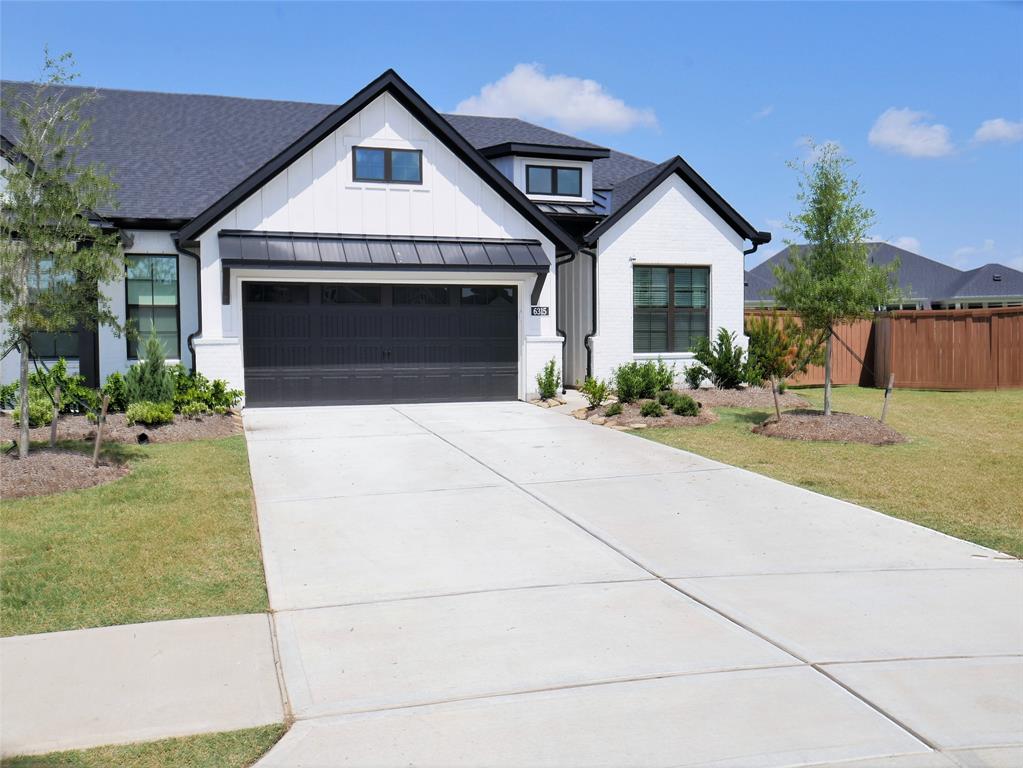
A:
[405,165]
[152,299]
[670,308]
[369,164]
[539,180]
[570,181]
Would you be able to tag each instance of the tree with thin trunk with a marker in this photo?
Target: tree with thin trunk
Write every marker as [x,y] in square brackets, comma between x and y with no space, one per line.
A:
[54,251]
[830,280]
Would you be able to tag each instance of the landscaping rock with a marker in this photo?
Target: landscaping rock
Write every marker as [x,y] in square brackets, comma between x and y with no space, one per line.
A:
[581,413]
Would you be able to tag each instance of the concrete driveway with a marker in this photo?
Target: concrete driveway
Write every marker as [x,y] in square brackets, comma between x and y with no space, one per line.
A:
[496,584]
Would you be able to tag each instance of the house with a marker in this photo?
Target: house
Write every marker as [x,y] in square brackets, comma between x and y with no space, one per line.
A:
[378,251]
[925,283]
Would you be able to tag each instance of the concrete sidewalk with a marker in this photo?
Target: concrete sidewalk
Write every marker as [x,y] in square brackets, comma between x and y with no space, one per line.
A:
[138,682]
[497,584]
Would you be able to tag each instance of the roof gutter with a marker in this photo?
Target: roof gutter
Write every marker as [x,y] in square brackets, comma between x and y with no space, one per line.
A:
[759,239]
[198,297]
[557,320]
[593,309]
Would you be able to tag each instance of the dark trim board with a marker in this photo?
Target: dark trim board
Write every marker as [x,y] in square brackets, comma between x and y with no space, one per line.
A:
[545,151]
[388,82]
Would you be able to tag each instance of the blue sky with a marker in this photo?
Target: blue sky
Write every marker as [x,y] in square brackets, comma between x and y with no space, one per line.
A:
[927,98]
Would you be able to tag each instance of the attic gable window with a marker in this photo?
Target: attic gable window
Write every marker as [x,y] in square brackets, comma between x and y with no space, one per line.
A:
[554,180]
[390,166]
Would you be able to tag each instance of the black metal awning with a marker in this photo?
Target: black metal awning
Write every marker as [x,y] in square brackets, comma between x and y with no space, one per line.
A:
[290,250]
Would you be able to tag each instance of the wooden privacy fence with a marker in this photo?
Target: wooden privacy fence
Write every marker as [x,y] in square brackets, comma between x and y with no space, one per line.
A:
[927,349]
[845,368]
[950,348]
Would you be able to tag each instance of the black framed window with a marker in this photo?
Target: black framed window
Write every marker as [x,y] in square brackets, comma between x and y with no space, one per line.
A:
[54,345]
[346,293]
[420,295]
[396,166]
[152,292]
[481,295]
[51,345]
[670,308]
[554,180]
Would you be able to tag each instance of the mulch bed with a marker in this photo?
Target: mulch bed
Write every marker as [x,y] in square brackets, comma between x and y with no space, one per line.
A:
[117,430]
[630,417]
[751,397]
[48,470]
[838,427]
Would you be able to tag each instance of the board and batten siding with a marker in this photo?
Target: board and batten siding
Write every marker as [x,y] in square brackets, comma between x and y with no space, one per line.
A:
[317,193]
[672,226]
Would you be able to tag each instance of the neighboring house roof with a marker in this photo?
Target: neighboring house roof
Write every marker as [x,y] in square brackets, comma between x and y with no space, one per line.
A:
[174,156]
[920,278]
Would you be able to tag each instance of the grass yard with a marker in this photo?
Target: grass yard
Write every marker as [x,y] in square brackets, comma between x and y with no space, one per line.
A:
[174,539]
[233,749]
[961,471]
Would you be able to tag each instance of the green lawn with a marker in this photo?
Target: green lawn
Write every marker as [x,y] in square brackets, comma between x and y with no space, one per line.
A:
[174,539]
[234,749]
[961,471]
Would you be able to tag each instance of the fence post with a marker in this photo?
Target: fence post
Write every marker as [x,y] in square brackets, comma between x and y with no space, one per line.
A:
[56,413]
[887,396]
[99,430]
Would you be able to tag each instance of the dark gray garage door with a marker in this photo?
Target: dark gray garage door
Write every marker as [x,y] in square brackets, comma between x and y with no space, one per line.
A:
[339,343]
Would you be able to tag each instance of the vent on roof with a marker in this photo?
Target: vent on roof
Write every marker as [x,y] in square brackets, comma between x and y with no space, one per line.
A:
[996,277]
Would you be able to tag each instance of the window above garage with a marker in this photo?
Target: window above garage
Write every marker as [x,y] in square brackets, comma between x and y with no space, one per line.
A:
[554,180]
[387,166]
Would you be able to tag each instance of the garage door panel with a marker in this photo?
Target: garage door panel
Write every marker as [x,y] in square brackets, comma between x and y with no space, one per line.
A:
[337,343]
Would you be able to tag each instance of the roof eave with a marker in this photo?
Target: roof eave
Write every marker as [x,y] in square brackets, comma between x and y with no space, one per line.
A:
[545,150]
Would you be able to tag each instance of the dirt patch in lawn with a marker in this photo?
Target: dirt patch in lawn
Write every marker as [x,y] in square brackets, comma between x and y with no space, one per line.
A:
[838,427]
[48,470]
[631,418]
[751,397]
[117,429]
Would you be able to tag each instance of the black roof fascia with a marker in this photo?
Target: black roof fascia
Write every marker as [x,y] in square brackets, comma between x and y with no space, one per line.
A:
[707,193]
[390,82]
[545,150]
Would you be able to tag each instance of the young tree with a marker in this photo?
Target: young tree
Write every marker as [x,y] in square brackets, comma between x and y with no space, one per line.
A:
[52,253]
[830,280]
[780,347]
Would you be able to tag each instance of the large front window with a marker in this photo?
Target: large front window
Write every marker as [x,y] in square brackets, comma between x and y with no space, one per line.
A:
[670,308]
[153,302]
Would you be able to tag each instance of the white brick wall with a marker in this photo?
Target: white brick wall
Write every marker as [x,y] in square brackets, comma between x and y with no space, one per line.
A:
[672,226]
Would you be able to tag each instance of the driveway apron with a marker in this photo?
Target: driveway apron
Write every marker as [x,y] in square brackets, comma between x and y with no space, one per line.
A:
[497,584]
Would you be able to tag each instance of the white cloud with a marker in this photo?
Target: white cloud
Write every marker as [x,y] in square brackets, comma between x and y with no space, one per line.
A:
[908,132]
[571,103]
[906,243]
[970,256]
[763,112]
[999,129]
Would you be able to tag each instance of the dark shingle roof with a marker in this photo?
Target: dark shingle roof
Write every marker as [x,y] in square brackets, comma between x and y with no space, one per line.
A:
[490,131]
[920,278]
[174,154]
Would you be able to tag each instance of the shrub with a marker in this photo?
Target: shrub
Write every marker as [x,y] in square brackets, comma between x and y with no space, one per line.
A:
[75,396]
[595,391]
[666,398]
[40,409]
[548,380]
[723,359]
[194,410]
[613,410]
[9,395]
[664,375]
[782,386]
[651,408]
[638,381]
[779,347]
[196,389]
[150,380]
[695,374]
[114,388]
[149,413]
[684,405]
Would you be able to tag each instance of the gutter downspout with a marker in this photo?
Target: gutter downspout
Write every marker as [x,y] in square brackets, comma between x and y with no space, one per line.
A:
[557,320]
[198,299]
[593,307]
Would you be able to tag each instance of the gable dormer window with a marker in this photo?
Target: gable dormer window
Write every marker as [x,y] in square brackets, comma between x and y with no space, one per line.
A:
[391,166]
[554,180]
